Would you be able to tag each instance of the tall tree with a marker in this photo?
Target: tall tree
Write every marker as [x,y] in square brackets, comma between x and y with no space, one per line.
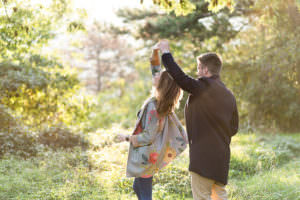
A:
[199,31]
[184,7]
[108,53]
[264,64]
[36,87]
[195,28]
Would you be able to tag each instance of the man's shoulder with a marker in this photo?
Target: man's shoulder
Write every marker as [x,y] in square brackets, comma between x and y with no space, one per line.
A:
[215,82]
[205,80]
[210,78]
[208,81]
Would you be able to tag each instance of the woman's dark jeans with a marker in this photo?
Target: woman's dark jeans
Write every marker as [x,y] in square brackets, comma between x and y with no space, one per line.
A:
[143,188]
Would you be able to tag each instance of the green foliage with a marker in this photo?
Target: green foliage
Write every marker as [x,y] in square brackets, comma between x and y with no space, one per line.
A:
[184,7]
[122,101]
[15,139]
[32,91]
[253,157]
[27,25]
[260,57]
[19,142]
[190,35]
[59,137]
[277,184]
[44,89]
[172,180]
[36,87]
[265,71]
[260,154]
[193,29]
[48,176]
[262,167]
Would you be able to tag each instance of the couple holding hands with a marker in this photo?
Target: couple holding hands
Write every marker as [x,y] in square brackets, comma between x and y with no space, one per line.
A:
[211,120]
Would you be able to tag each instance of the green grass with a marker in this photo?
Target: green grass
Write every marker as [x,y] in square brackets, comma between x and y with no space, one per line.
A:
[49,177]
[262,167]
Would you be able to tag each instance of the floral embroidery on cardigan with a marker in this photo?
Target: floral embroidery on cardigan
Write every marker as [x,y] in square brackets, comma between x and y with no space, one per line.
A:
[153,157]
[138,129]
[149,151]
[170,154]
[153,113]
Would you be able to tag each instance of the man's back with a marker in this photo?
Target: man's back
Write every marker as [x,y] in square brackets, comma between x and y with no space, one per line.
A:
[211,119]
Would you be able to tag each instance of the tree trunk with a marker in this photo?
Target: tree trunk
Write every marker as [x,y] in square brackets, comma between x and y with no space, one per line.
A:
[99,74]
[294,14]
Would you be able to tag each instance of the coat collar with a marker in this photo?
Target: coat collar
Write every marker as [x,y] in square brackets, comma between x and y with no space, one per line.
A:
[211,77]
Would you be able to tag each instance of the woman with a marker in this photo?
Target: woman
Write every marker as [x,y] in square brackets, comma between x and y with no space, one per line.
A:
[158,136]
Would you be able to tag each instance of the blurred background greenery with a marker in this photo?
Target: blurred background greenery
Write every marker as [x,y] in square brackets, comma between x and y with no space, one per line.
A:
[74,73]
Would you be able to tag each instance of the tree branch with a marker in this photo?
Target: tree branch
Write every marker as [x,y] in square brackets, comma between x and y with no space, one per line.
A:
[5,10]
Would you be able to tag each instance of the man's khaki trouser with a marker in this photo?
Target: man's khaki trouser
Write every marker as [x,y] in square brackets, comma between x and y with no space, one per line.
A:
[207,189]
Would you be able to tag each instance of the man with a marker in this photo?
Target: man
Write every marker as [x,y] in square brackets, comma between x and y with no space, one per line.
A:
[211,120]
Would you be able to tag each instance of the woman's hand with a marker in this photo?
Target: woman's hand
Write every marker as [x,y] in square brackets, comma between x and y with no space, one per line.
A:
[163,46]
[121,137]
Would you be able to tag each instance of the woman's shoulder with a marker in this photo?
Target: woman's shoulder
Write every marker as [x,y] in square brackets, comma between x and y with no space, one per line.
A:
[150,102]
[148,105]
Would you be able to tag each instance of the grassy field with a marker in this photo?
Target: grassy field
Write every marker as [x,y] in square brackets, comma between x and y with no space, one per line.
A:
[262,167]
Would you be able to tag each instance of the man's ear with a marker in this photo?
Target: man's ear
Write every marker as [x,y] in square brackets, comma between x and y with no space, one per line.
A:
[206,70]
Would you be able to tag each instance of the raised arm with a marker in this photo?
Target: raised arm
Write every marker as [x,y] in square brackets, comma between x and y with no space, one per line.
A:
[155,66]
[184,81]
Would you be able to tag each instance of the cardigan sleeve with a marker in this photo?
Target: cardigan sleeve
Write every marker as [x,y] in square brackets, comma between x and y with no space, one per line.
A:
[184,81]
[147,136]
[155,69]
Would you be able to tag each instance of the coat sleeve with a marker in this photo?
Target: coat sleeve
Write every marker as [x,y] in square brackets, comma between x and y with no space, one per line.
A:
[184,81]
[147,136]
[235,121]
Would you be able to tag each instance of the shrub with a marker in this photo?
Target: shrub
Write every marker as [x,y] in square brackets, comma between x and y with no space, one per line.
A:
[261,153]
[14,138]
[20,140]
[172,180]
[61,137]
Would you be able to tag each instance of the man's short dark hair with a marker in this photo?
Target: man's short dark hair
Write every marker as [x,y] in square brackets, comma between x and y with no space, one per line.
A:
[212,61]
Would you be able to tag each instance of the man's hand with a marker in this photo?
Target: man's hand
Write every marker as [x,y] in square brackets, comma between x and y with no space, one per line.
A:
[163,46]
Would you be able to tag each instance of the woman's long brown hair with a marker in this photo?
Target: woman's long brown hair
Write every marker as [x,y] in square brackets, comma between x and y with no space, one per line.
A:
[168,95]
